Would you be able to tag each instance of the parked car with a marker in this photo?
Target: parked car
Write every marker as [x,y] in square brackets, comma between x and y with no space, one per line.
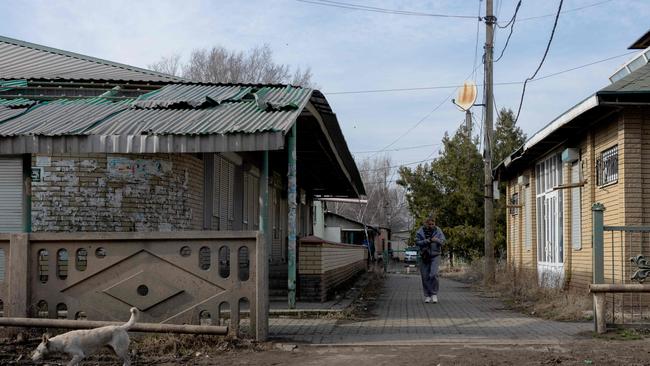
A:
[410,255]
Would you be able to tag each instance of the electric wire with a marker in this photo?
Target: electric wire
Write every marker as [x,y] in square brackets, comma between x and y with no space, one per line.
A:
[458,86]
[351,6]
[548,46]
[566,11]
[396,149]
[478,24]
[512,27]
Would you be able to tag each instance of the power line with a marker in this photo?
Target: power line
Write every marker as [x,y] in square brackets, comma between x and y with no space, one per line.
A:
[512,27]
[511,19]
[478,23]
[566,11]
[548,46]
[396,149]
[344,5]
[400,165]
[458,86]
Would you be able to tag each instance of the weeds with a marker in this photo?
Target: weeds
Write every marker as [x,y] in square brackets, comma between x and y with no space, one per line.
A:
[521,291]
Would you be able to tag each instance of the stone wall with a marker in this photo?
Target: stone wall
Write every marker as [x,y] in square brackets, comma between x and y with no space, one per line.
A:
[106,192]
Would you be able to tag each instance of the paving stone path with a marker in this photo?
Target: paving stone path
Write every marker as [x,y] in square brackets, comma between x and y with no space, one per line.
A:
[461,316]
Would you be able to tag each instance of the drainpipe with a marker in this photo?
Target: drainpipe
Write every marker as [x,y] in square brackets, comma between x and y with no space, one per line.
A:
[291,196]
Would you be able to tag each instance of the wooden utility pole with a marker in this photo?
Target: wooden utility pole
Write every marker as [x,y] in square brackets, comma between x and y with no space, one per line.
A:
[490,19]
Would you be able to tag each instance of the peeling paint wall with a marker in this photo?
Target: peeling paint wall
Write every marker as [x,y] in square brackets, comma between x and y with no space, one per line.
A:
[106,192]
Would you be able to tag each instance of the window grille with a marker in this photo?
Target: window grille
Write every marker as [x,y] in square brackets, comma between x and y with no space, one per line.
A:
[607,166]
[514,201]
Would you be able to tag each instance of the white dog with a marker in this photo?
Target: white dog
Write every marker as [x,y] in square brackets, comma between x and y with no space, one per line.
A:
[81,343]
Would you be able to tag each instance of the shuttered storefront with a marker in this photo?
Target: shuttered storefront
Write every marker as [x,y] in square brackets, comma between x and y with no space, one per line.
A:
[11,195]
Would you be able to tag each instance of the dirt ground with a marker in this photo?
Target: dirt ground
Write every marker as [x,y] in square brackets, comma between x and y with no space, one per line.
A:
[586,352]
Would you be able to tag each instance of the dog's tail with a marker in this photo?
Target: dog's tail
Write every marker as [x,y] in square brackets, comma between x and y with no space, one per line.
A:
[132,320]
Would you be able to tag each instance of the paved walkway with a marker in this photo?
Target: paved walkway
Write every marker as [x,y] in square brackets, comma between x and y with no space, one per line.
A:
[461,316]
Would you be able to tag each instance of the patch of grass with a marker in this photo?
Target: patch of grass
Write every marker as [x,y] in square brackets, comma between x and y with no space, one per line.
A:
[624,334]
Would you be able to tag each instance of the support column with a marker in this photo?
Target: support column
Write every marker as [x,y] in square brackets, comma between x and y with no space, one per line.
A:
[291,197]
[262,258]
[18,276]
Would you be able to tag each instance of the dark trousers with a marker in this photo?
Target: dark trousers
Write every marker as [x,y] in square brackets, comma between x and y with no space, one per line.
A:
[429,273]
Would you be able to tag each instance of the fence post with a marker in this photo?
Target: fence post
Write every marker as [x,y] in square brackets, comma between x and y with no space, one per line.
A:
[598,252]
[18,275]
[598,264]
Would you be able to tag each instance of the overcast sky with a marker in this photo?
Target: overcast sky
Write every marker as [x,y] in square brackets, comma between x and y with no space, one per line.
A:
[352,50]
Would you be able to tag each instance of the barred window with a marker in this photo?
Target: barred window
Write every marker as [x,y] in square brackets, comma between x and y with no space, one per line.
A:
[514,203]
[607,166]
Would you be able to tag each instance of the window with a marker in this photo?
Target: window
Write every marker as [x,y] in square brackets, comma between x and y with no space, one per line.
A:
[607,166]
[514,203]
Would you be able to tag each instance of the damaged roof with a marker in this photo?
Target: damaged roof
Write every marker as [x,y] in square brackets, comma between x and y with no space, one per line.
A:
[25,60]
[175,109]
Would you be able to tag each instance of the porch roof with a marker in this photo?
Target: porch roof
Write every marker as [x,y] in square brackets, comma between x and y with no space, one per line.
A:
[184,118]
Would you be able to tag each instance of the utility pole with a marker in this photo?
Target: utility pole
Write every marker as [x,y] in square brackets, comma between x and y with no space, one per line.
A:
[490,19]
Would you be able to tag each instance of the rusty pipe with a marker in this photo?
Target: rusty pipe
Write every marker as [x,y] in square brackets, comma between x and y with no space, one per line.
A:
[138,327]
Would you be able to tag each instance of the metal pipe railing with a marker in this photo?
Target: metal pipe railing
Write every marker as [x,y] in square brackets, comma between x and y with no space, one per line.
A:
[138,327]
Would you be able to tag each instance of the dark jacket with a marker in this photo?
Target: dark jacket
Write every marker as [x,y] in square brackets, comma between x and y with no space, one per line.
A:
[435,247]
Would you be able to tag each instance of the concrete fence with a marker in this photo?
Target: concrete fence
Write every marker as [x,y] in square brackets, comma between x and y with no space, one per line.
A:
[191,277]
[324,265]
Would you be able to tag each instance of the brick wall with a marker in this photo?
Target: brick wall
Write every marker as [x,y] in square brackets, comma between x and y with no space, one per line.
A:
[106,192]
[324,266]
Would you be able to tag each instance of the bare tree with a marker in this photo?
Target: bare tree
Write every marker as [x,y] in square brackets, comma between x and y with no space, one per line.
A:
[386,205]
[170,65]
[219,64]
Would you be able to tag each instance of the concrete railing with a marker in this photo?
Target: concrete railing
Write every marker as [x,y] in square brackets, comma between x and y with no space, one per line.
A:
[192,277]
[324,265]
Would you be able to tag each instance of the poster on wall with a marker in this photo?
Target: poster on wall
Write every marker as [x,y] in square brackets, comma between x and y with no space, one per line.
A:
[121,167]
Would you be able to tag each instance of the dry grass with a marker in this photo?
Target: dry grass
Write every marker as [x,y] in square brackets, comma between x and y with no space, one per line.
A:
[186,345]
[521,291]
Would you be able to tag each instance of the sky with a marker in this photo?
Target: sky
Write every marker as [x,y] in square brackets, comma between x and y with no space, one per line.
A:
[353,51]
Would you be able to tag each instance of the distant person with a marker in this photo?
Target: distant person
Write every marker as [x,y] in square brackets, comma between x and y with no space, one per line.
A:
[429,239]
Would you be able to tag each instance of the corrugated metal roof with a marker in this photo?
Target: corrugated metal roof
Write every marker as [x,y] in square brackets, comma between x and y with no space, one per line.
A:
[16,103]
[61,117]
[200,95]
[24,60]
[180,110]
[191,95]
[6,113]
[228,118]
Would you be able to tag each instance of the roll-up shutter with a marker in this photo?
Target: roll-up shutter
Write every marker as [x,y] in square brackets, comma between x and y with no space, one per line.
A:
[11,195]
